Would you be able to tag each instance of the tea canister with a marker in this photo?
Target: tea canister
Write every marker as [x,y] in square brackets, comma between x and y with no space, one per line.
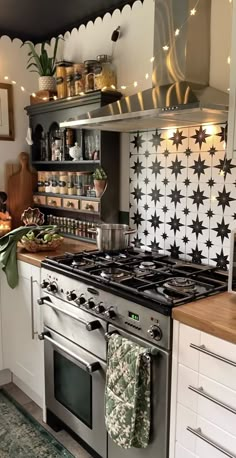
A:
[47,182]
[55,183]
[41,181]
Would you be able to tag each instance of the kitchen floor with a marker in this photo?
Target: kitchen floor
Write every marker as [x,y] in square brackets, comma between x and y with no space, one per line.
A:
[62,436]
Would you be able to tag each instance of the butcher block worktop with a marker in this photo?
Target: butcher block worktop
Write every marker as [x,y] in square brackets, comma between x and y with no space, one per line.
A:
[214,315]
[69,245]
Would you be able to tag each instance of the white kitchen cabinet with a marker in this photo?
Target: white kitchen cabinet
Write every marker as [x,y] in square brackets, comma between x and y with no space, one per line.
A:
[21,323]
[231,142]
[203,395]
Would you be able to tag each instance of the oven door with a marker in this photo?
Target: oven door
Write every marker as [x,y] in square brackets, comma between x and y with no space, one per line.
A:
[75,382]
[160,404]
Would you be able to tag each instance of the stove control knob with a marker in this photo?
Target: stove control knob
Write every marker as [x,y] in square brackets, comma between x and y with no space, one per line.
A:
[71,296]
[155,332]
[52,287]
[99,308]
[81,300]
[110,314]
[44,284]
[90,304]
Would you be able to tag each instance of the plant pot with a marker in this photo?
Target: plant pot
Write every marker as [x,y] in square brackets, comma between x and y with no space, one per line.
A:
[47,83]
[100,187]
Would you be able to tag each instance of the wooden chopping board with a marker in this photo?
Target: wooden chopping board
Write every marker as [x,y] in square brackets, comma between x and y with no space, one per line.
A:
[20,187]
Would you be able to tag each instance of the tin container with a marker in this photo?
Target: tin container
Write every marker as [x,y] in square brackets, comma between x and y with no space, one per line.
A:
[61,78]
[79,78]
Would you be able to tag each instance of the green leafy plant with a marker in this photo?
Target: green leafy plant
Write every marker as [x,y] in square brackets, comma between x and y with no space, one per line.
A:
[41,63]
[99,174]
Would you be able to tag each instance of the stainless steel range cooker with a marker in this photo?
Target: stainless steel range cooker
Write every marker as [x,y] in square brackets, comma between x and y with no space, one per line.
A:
[88,296]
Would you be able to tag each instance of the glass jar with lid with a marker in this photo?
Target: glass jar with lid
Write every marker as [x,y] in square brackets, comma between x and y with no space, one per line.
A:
[106,78]
[71,183]
[84,181]
[92,67]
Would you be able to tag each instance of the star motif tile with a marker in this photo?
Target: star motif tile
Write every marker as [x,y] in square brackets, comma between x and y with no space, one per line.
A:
[222,230]
[138,141]
[156,140]
[198,197]
[200,136]
[199,166]
[177,138]
[176,167]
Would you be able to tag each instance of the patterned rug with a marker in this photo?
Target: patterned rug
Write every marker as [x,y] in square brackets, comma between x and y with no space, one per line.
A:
[21,436]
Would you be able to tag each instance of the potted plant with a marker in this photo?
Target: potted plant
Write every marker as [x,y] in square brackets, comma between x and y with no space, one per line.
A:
[44,65]
[100,181]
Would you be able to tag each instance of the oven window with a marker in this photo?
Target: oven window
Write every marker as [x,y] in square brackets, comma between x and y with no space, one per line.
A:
[73,388]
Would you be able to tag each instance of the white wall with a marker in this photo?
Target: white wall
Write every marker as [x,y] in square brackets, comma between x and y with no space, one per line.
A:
[13,61]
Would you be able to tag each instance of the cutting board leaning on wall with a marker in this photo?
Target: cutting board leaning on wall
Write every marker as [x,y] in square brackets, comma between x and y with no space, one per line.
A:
[21,181]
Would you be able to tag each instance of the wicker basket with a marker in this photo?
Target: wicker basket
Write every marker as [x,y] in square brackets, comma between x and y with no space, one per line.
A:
[34,247]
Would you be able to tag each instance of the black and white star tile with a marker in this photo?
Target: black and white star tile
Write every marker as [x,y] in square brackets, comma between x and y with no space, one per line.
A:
[183,192]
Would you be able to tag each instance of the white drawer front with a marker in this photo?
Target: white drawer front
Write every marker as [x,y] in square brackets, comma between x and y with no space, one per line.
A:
[186,397]
[188,356]
[181,452]
[209,409]
[185,418]
[219,440]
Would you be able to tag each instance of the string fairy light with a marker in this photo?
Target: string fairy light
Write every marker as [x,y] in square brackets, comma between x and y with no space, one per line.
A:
[126,85]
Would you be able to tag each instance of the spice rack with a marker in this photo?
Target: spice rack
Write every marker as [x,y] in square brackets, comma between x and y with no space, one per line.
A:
[46,117]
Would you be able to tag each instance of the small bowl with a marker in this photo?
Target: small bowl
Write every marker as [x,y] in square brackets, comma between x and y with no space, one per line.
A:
[32,217]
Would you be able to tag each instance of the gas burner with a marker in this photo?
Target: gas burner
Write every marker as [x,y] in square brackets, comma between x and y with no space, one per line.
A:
[147,265]
[113,273]
[183,284]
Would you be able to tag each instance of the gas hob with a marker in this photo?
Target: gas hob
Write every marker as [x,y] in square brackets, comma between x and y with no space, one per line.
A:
[150,279]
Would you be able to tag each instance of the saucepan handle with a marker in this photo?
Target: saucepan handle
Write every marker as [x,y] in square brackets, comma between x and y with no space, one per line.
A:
[130,231]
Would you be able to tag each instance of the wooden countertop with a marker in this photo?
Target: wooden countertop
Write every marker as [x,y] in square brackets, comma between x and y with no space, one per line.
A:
[72,246]
[215,315]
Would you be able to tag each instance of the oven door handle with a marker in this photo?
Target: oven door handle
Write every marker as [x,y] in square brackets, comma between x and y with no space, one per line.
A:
[90,325]
[93,367]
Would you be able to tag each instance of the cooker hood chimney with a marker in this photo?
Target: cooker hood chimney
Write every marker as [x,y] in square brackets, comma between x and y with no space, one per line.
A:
[181,95]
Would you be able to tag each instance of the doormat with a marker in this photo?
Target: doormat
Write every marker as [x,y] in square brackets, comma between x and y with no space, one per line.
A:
[21,436]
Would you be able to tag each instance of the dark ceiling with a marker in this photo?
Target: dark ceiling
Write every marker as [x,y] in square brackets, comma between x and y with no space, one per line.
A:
[39,20]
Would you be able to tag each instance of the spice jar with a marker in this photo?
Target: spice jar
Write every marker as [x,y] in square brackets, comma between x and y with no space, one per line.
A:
[106,78]
[79,78]
[41,184]
[71,183]
[70,83]
[55,183]
[63,183]
[91,68]
[61,78]
[47,182]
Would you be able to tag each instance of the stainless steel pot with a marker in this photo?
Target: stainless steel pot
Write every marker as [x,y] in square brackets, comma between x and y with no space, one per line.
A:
[111,237]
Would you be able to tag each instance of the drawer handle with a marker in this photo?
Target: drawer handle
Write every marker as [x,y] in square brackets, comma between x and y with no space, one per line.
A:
[198,433]
[70,204]
[52,202]
[202,393]
[203,349]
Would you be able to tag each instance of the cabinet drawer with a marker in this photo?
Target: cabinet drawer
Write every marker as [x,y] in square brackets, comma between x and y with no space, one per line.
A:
[74,204]
[187,355]
[212,401]
[212,442]
[185,417]
[181,452]
[89,205]
[39,200]
[54,201]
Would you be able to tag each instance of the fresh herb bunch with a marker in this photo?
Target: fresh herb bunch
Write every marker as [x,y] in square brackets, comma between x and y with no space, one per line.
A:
[99,174]
[41,63]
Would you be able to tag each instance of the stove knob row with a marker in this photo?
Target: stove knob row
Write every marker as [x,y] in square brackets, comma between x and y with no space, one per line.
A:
[155,332]
[99,308]
[81,300]
[90,304]
[52,287]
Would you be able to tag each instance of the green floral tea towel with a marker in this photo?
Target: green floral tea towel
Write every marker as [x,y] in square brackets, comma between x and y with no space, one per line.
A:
[127,393]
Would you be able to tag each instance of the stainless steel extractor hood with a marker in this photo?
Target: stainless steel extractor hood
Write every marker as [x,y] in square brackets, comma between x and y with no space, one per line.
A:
[181,95]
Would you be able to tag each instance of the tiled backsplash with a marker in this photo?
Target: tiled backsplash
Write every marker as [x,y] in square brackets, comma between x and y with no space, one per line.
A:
[183,193]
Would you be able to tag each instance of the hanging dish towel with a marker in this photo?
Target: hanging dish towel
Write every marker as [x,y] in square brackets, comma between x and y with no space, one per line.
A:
[127,393]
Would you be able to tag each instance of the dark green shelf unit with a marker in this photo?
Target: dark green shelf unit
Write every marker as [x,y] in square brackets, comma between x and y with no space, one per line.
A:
[67,196]
[48,113]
